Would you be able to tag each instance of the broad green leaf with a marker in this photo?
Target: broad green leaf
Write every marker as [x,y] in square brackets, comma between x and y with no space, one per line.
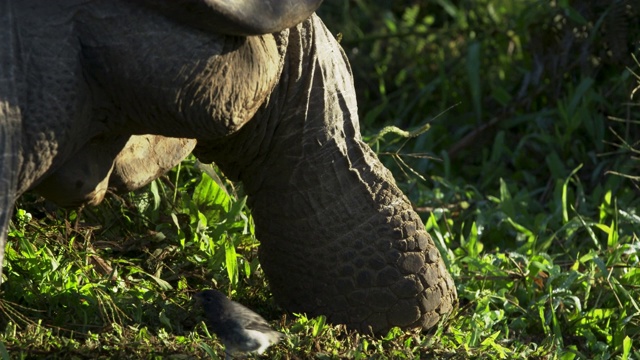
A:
[633,218]
[163,285]
[565,213]
[555,164]
[490,342]
[448,7]
[153,188]
[209,350]
[626,347]
[4,354]
[612,236]
[501,95]
[231,261]
[211,199]
[579,94]
[318,325]
[164,319]
[569,355]
[573,14]
[474,247]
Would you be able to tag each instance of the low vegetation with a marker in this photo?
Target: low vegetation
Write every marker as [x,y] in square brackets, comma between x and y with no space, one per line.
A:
[511,125]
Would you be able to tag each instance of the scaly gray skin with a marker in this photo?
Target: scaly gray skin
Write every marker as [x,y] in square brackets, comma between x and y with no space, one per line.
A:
[277,112]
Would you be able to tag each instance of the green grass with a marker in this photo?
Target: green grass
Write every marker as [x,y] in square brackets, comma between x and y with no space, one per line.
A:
[519,147]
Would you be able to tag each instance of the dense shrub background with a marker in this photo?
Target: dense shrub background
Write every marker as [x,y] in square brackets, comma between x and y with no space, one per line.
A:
[532,142]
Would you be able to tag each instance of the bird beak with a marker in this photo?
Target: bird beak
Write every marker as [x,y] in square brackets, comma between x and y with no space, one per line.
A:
[198,298]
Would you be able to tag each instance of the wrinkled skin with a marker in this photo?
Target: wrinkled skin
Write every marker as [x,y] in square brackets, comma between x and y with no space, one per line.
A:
[111,94]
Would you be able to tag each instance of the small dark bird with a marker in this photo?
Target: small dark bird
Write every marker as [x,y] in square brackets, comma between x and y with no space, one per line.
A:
[239,328]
